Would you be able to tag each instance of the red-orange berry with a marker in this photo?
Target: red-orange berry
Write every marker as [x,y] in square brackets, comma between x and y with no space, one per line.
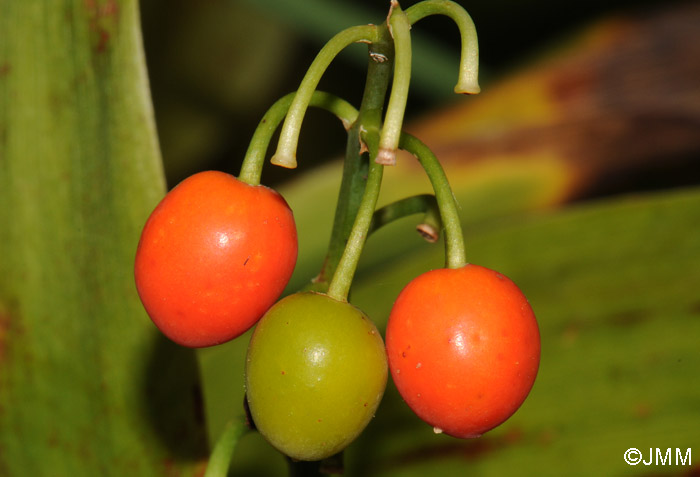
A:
[463,348]
[214,255]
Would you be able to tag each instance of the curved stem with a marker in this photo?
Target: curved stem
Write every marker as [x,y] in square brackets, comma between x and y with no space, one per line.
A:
[468,82]
[454,241]
[356,164]
[285,155]
[254,159]
[220,459]
[342,278]
[430,226]
[393,122]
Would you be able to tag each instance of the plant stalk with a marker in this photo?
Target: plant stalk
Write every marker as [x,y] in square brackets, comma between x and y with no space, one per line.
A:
[220,459]
[285,155]
[254,159]
[454,241]
[356,165]
[342,278]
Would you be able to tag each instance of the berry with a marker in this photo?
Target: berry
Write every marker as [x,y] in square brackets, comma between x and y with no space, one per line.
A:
[463,348]
[316,371]
[213,256]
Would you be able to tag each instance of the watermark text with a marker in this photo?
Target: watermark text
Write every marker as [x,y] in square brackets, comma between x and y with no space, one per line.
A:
[659,456]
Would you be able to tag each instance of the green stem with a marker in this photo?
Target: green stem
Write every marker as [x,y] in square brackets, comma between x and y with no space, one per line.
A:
[342,278]
[430,226]
[454,241]
[220,459]
[356,165]
[254,159]
[468,82]
[285,155]
[393,122]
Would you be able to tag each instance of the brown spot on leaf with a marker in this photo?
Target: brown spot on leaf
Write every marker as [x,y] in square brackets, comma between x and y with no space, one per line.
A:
[643,409]
[4,332]
[629,317]
[695,308]
[618,109]
[103,16]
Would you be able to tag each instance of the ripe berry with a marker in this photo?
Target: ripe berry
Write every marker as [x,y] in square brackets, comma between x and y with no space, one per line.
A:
[213,256]
[464,348]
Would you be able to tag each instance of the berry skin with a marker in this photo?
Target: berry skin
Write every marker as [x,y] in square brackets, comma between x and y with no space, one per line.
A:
[213,256]
[463,348]
[316,371]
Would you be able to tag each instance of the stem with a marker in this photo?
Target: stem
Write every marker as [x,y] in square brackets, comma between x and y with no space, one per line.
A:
[254,159]
[454,241]
[430,226]
[342,278]
[468,82]
[289,137]
[393,122]
[220,459]
[355,167]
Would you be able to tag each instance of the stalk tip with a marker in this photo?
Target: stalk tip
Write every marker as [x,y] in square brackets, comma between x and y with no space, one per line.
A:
[284,160]
[428,232]
[468,87]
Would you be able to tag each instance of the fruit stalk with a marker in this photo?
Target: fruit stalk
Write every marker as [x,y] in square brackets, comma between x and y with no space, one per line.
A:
[223,450]
[429,226]
[454,241]
[285,155]
[468,82]
[399,28]
[342,278]
[254,159]
[356,165]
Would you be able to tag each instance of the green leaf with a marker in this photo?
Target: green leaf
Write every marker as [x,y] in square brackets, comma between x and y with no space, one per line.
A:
[87,385]
[614,287]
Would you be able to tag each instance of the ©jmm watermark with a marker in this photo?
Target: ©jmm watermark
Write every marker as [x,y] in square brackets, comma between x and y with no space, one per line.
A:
[659,456]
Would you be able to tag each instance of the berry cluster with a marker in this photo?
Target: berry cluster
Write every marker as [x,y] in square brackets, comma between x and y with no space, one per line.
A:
[462,342]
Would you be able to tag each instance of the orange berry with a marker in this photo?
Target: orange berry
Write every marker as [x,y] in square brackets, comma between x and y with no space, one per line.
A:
[463,348]
[214,255]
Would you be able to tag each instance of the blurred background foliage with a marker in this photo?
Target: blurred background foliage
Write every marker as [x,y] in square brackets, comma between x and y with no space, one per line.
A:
[576,171]
[216,66]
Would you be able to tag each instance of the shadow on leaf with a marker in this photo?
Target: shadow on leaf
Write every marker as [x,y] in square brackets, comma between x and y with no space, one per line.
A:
[172,400]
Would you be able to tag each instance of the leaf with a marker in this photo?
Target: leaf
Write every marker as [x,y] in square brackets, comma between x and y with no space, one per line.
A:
[614,287]
[87,386]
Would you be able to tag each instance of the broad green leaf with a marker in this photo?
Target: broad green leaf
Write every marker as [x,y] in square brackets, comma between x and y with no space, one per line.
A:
[614,286]
[87,386]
